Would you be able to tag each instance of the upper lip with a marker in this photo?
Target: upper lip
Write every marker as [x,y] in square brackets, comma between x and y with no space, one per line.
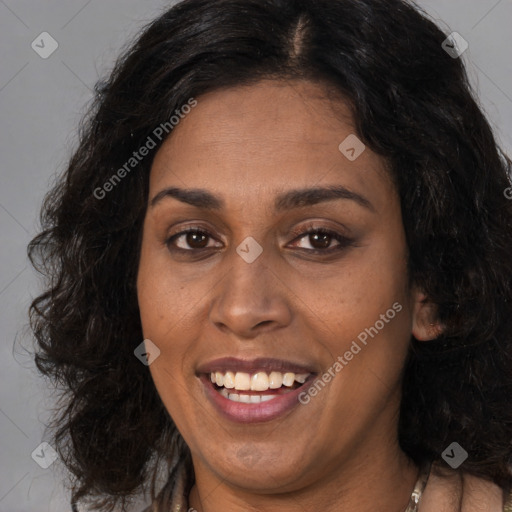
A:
[261,364]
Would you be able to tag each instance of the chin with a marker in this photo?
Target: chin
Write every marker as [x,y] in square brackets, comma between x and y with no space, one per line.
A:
[260,470]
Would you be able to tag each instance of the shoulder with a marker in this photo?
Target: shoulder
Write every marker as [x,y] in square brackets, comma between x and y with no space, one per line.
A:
[452,491]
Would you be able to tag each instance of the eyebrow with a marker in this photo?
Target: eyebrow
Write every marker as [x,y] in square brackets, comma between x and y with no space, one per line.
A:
[297,198]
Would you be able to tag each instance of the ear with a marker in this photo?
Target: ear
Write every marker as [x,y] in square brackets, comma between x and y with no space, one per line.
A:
[425,324]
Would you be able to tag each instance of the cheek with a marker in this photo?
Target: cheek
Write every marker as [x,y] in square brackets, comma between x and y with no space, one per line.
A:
[172,312]
[364,314]
[160,315]
[363,288]
[163,301]
[164,311]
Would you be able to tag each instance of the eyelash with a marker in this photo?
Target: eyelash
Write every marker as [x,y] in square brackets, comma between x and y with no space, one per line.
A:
[305,231]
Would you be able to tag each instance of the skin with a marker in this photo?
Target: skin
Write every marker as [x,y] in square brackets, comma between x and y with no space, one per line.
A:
[247,145]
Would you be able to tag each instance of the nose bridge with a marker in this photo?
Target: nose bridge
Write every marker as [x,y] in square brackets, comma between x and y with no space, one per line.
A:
[246,279]
[250,295]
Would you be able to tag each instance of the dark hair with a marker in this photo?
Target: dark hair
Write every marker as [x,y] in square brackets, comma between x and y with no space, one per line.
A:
[412,104]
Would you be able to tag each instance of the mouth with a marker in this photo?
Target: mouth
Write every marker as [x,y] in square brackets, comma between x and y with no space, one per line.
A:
[255,388]
[259,391]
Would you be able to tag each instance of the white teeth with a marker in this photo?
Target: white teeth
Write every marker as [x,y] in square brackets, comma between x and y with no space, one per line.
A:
[246,399]
[275,380]
[288,379]
[260,381]
[229,380]
[242,381]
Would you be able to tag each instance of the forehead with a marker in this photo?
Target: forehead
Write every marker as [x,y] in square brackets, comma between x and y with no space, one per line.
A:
[265,137]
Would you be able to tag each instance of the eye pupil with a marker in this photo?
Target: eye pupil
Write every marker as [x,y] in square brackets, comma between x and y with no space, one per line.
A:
[324,240]
[197,240]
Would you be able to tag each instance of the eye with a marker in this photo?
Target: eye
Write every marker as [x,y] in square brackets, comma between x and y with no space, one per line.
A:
[190,240]
[322,240]
[313,240]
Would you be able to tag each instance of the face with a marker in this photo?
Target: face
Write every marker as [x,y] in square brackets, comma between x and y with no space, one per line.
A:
[268,251]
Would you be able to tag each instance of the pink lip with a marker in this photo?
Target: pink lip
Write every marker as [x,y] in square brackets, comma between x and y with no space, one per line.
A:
[254,413]
[262,364]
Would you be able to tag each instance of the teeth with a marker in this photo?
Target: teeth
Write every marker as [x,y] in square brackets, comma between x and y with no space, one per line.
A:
[247,399]
[229,380]
[288,379]
[242,381]
[275,380]
[261,381]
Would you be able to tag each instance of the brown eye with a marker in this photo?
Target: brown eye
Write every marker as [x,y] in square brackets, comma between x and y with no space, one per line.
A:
[196,240]
[320,240]
[189,240]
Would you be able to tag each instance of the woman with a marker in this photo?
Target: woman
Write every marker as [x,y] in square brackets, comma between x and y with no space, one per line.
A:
[279,269]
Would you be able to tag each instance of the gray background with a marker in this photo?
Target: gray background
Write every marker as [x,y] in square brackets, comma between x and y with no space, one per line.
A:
[41,102]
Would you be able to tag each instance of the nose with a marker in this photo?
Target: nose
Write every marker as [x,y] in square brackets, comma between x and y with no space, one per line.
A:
[250,299]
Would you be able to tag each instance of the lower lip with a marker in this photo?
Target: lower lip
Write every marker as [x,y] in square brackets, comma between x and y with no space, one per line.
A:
[240,412]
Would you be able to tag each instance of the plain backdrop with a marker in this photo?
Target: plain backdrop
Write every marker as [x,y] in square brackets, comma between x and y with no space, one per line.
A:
[41,103]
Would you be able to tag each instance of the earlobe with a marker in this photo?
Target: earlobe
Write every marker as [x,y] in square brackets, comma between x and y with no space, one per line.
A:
[425,324]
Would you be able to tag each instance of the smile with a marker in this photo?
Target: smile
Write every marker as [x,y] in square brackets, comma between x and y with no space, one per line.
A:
[262,386]
[254,391]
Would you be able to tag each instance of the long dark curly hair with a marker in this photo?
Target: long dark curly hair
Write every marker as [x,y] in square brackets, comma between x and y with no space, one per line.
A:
[412,104]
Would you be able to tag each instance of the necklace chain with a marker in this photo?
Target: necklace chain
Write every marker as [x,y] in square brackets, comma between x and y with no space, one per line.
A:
[419,487]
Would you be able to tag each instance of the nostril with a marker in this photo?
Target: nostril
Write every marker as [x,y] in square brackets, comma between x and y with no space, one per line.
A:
[263,323]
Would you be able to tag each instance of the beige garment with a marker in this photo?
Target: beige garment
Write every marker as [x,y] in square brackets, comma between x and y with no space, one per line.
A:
[177,494]
[508,502]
